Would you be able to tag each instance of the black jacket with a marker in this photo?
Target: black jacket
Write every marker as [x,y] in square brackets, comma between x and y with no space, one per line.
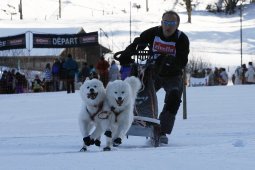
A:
[176,46]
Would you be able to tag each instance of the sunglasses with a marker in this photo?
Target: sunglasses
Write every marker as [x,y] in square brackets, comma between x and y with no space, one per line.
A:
[169,23]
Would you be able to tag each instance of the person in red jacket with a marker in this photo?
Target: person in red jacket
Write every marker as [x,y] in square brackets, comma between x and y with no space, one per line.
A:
[102,68]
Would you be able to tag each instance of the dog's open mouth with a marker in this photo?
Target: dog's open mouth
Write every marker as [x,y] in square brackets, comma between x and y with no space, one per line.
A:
[92,95]
[119,101]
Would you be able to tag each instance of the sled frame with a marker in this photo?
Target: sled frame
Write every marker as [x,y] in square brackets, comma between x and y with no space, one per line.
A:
[145,124]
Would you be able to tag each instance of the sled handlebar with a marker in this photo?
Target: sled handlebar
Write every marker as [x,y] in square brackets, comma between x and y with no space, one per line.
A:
[116,55]
[138,55]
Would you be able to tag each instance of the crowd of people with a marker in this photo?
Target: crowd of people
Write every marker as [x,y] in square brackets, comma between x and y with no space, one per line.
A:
[216,77]
[110,72]
[13,82]
[244,75]
[62,75]
[59,76]
[219,76]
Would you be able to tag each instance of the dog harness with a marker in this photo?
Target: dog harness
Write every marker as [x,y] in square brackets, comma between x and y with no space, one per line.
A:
[115,113]
[92,116]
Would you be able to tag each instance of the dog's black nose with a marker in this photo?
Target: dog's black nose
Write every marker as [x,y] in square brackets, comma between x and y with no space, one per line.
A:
[91,90]
[119,98]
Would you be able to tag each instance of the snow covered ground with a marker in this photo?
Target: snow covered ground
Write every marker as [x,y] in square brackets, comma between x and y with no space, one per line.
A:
[40,131]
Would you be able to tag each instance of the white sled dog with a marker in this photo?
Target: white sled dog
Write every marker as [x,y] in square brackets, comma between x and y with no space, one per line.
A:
[93,95]
[120,100]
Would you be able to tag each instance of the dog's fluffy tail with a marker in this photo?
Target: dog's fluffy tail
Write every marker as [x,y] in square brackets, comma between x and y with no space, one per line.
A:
[134,83]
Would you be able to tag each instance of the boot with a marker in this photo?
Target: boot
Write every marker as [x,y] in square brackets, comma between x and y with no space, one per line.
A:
[163,138]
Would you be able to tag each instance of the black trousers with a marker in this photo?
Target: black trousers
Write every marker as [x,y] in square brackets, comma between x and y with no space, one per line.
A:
[70,85]
[173,87]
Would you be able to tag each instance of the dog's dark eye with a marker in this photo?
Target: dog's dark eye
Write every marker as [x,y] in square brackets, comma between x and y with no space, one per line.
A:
[115,92]
[95,86]
[122,92]
[88,87]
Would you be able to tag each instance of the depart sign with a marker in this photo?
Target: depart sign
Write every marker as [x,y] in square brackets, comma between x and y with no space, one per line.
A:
[64,40]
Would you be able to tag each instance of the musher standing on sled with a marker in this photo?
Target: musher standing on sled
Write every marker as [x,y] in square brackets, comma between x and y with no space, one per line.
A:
[173,45]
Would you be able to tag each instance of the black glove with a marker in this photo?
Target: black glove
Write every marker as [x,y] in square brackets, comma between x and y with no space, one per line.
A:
[125,58]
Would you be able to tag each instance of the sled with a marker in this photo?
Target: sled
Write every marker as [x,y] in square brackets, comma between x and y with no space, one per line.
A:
[146,122]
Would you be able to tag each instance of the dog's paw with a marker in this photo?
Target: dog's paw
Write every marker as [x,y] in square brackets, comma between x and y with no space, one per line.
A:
[117,142]
[92,141]
[107,148]
[87,140]
[97,142]
[108,134]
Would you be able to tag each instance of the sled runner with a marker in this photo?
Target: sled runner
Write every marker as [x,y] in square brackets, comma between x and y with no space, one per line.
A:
[146,122]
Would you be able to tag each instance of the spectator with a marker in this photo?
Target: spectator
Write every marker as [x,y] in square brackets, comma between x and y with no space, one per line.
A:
[71,67]
[3,83]
[21,83]
[216,76]
[238,76]
[56,74]
[12,81]
[37,84]
[84,73]
[244,69]
[102,68]
[47,80]
[125,71]
[91,69]
[250,74]
[114,73]
[223,80]
[92,72]
[62,75]
[210,77]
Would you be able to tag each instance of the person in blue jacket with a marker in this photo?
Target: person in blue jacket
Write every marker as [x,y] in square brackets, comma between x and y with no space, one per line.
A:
[71,67]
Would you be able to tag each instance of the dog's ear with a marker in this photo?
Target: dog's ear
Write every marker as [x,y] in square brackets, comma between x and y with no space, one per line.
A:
[109,84]
[86,79]
[81,87]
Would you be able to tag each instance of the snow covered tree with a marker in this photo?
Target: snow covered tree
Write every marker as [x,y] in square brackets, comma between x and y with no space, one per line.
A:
[189,9]
[20,10]
[197,63]
[230,6]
